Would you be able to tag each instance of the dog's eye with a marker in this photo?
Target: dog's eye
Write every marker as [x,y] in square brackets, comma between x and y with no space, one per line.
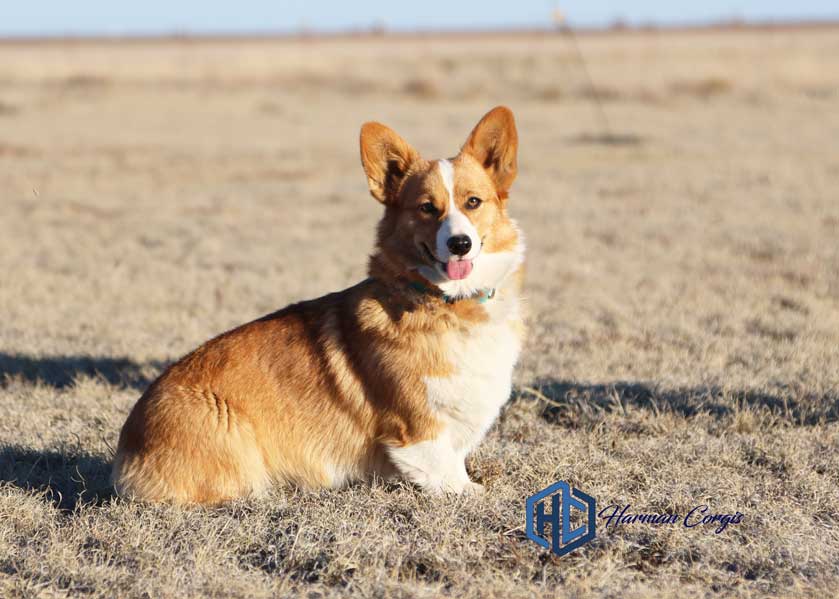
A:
[428,208]
[473,202]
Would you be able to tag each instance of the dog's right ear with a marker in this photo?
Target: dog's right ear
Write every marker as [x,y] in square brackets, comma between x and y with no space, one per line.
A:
[386,158]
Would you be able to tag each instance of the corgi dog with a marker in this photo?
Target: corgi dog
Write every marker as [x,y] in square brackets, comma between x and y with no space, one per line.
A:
[398,376]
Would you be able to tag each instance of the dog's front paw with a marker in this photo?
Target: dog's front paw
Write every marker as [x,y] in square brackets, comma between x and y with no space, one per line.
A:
[459,487]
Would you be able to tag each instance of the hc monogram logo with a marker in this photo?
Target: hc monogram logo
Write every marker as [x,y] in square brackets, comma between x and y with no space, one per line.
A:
[562,498]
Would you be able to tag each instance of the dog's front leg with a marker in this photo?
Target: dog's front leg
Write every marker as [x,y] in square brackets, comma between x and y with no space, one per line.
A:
[434,465]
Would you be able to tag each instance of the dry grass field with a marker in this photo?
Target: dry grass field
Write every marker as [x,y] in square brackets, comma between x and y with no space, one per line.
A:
[683,286]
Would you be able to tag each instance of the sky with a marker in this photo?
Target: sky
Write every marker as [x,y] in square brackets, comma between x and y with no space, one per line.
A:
[110,17]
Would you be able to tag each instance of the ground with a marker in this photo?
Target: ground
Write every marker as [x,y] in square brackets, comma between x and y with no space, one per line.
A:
[683,290]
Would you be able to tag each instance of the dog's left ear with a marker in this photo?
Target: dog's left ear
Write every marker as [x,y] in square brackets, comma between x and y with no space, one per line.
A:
[494,143]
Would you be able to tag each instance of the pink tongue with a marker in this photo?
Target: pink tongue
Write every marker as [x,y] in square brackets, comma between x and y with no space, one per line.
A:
[458,269]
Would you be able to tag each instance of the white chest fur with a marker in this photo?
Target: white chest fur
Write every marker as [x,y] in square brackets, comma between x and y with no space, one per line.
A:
[482,358]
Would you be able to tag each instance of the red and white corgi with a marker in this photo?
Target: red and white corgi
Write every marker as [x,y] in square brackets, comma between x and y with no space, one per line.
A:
[400,375]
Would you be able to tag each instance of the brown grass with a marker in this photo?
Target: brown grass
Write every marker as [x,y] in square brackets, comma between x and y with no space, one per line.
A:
[703,88]
[683,284]
[424,89]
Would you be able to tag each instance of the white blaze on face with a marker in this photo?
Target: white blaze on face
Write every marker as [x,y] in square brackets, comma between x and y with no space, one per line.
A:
[455,223]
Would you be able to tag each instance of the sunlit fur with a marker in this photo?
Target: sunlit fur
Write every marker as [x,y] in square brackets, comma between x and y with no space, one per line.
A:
[399,375]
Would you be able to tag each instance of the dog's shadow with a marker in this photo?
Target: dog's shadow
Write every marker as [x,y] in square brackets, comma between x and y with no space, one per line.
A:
[64,478]
[72,476]
[564,397]
[61,372]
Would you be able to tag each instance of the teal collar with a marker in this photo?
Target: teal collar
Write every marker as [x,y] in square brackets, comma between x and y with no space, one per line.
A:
[482,297]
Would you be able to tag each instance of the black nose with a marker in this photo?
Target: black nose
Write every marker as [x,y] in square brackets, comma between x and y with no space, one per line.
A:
[459,245]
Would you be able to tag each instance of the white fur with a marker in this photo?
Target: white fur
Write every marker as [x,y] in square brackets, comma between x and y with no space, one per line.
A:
[455,223]
[468,402]
[483,357]
[435,465]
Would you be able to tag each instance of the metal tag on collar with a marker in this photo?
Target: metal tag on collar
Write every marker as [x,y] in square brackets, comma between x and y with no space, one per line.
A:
[486,295]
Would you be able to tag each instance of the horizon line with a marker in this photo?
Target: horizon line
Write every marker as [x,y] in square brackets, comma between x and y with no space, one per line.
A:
[381,32]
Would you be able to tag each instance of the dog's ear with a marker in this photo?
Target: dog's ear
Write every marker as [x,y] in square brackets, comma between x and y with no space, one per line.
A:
[494,143]
[386,158]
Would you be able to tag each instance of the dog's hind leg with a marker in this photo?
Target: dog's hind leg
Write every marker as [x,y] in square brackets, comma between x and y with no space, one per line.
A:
[194,448]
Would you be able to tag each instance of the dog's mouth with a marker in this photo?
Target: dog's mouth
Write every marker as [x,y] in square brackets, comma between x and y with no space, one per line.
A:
[456,268]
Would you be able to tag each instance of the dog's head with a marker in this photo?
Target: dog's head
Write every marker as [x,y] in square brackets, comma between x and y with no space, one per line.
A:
[446,220]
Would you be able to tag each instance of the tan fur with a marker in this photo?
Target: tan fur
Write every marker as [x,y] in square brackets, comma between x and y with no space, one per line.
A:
[315,393]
